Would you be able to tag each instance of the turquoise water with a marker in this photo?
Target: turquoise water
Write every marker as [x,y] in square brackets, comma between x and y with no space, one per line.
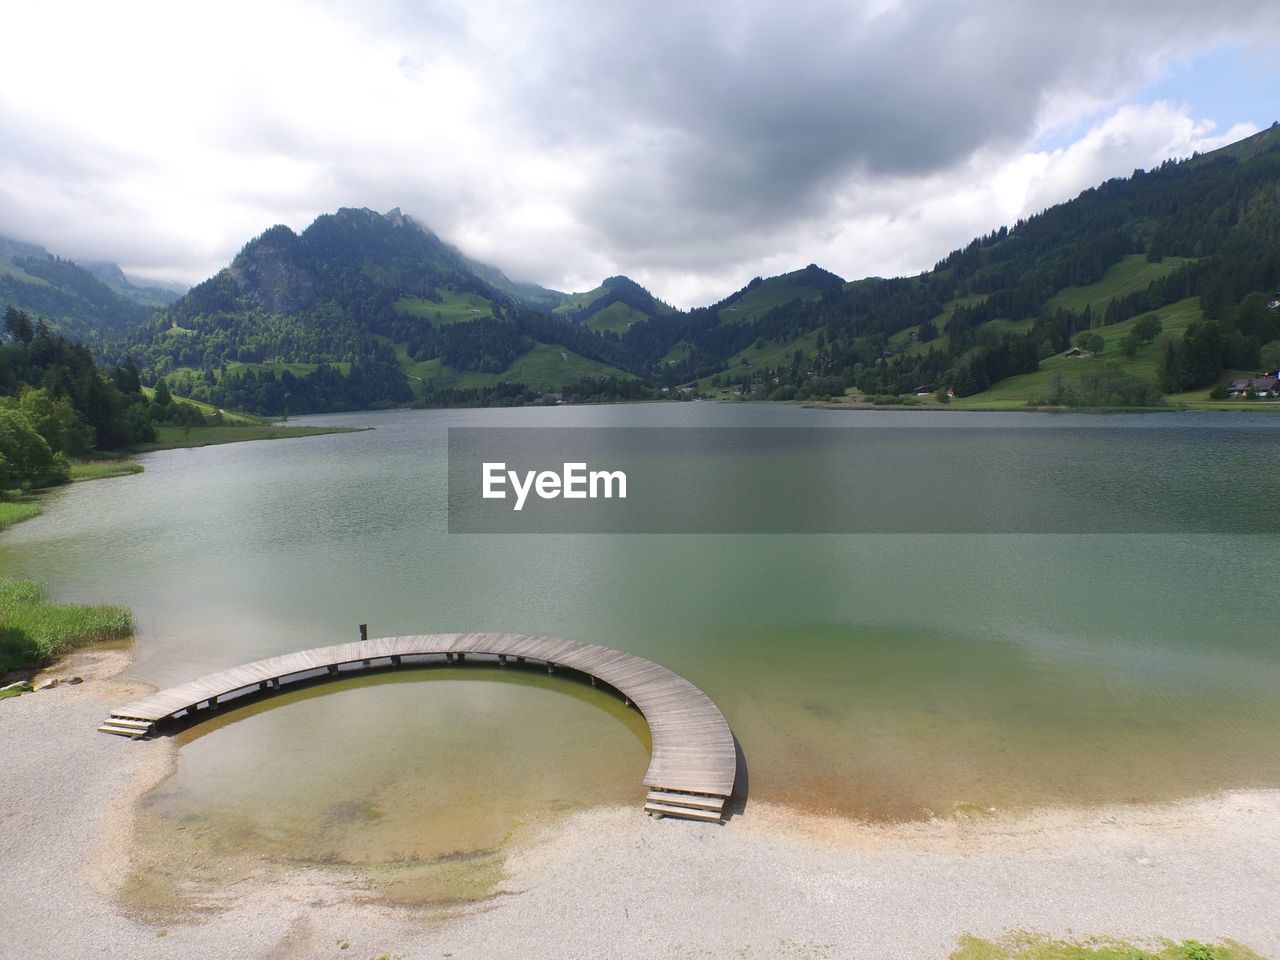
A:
[874,675]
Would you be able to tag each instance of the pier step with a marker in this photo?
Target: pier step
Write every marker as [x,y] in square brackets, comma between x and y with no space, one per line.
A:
[121,731]
[127,722]
[691,806]
[688,813]
[686,800]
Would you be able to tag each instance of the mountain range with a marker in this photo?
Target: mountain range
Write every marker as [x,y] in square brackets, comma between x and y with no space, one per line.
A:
[87,302]
[365,309]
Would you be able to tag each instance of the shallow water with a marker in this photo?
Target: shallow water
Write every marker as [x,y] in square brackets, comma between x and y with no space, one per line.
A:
[876,675]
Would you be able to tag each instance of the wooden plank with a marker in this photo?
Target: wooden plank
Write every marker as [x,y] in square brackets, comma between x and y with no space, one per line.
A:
[687,813]
[686,800]
[693,748]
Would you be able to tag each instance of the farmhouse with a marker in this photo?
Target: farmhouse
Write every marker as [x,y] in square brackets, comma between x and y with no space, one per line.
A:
[1267,387]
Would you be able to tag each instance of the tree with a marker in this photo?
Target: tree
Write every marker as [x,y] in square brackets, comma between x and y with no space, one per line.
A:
[1169,371]
[1147,328]
[1202,348]
[162,397]
[25,457]
[127,379]
[56,420]
[1095,343]
[1270,355]
[19,325]
[1129,344]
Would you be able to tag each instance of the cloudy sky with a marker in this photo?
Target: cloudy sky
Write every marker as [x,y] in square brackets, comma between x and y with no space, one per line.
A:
[690,146]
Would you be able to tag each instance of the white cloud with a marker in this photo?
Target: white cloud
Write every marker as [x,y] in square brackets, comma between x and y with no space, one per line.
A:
[691,147]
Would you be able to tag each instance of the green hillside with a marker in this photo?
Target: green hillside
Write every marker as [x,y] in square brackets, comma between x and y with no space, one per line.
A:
[70,299]
[1197,241]
[365,310]
[617,317]
[614,306]
[762,295]
[451,307]
[1031,388]
[544,368]
[1131,274]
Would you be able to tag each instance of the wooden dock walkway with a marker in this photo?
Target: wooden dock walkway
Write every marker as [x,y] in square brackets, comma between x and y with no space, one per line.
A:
[694,762]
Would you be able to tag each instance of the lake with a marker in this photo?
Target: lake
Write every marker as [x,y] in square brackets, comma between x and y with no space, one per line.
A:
[882,675]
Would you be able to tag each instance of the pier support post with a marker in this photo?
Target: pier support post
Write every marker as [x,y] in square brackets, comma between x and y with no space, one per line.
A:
[593,680]
[333,669]
[502,659]
[551,667]
[448,658]
[395,659]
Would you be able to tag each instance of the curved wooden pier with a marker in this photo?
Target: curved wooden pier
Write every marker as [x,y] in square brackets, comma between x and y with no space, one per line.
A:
[694,762]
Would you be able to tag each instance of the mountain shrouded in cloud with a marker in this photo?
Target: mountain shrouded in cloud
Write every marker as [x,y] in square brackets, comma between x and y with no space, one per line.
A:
[363,309]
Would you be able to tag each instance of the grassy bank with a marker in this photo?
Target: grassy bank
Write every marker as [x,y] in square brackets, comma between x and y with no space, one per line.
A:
[15,511]
[103,469]
[172,438]
[32,630]
[1026,946]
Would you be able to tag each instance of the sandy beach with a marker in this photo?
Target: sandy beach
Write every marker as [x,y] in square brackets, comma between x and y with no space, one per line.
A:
[611,881]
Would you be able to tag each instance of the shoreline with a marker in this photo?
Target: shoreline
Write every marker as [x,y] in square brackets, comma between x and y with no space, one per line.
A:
[771,882]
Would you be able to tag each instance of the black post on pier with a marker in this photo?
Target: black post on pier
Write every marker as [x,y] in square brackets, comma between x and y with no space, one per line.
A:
[364,632]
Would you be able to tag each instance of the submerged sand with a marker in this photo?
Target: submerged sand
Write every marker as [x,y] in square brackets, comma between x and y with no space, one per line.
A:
[80,876]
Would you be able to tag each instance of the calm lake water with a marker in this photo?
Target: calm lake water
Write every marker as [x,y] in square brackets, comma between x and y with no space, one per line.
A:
[877,675]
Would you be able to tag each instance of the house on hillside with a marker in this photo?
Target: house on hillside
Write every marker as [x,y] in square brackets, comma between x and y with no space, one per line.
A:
[1075,352]
[1267,387]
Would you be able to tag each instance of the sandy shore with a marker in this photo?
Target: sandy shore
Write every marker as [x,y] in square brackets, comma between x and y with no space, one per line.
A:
[612,882]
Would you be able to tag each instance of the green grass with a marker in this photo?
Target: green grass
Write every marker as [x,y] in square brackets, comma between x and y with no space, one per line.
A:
[546,367]
[32,630]
[1028,387]
[1130,275]
[172,438]
[103,469]
[573,302]
[15,511]
[297,369]
[208,409]
[452,308]
[773,292]
[616,317]
[1029,946]
[677,354]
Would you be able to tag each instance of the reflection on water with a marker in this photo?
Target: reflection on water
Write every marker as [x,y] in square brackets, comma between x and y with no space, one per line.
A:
[874,675]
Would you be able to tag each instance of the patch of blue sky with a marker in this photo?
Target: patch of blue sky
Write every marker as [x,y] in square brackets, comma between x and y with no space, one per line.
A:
[1230,84]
